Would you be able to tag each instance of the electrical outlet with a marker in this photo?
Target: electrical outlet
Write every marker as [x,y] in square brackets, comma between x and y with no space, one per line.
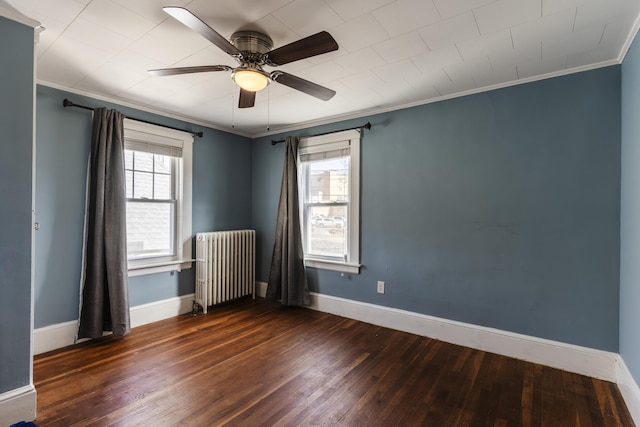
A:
[380,287]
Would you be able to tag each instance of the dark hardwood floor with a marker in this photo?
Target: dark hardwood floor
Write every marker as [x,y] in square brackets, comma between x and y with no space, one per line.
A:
[254,363]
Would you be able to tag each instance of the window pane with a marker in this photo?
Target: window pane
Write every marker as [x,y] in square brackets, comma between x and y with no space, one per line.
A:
[162,187]
[163,163]
[129,184]
[143,161]
[328,232]
[328,180]
[128,159]
[143,185]
[149,229]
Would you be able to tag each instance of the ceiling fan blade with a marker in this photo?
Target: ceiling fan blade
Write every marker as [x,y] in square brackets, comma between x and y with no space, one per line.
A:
[247,99]
[302,85]
[188,70]
[307,47]
[197,25]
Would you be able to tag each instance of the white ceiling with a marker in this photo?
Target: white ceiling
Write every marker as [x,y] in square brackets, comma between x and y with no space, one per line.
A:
[392,53]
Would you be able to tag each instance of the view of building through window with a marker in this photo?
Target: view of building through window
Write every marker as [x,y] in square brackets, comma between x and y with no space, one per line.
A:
[327,206]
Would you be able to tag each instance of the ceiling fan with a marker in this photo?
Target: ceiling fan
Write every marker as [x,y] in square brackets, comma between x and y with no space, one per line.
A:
[252,50]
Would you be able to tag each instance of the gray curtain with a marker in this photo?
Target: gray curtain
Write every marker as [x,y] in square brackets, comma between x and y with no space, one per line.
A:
[287,279]
[104,294]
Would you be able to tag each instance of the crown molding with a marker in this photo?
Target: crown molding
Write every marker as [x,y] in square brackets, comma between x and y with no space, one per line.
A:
[629,41]
[11,13]
[141,107]
[375,111]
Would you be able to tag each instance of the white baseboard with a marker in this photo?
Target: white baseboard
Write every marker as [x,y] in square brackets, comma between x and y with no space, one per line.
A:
[63,334]
[573,358]
[629,390]
[160,310]
[53,337]
[18,405]
[261,289]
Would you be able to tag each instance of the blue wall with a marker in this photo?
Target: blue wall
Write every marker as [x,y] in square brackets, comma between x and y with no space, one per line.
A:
[630,213]
[16,144]
[221,200]
[498,209]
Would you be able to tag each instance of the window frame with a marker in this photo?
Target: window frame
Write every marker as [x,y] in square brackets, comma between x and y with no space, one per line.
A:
[175,174]
[315,144]
[139,132]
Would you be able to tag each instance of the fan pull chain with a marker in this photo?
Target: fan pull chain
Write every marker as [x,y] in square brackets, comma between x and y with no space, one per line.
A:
[268,108]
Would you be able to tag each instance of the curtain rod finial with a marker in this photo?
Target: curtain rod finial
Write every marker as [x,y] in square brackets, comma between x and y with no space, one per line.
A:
[67,103]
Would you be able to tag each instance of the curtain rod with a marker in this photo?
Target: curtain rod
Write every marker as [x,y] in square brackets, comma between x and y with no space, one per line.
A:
[366,126]
[67,103]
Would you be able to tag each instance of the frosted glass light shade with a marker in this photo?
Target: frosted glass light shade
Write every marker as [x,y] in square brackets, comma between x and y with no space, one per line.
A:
[252,81]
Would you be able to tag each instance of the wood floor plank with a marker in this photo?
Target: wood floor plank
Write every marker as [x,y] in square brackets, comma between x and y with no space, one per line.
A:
[255,363]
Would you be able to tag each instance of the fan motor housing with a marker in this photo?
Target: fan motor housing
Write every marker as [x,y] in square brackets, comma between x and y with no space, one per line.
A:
[252,41]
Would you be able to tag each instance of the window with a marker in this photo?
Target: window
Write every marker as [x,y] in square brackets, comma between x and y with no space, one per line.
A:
[158,180]
[329,185]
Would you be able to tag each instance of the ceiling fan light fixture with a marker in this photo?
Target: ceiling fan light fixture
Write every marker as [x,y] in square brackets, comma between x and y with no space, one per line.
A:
[253,50]
[250,80]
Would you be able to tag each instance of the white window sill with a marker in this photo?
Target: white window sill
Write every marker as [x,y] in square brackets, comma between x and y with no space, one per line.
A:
[333,265]
[159,267]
